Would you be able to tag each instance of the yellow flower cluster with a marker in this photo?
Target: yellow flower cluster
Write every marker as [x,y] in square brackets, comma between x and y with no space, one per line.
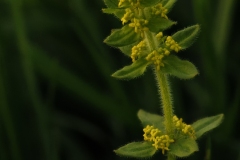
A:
[163,142]
[136,50]
[138,25]
[160,10]
[134,3]
[171,44]
[121,2]
[160,141]
[127,16]
[186,129]
[156,56]
[159,35]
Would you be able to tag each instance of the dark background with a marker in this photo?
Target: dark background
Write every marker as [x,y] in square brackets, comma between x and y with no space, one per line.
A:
[59,102]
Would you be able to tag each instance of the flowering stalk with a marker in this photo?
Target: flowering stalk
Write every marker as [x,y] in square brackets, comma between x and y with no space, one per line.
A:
[165,95]
[142,39]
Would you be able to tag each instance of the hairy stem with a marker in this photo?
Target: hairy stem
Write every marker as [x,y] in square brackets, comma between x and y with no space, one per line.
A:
[165,96]
[164,88]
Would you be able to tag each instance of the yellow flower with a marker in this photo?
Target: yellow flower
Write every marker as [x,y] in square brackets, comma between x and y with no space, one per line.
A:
[137,50]
[171,44]
[138,25]
[156,57]
[160,10]
[159,140]
[162,142]
[183,127]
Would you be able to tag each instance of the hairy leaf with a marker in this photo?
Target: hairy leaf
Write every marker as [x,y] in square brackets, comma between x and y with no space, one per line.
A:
[127,50]
[186,37]
[168,4]
[206,124]
[183,147]
[180,68]
[122,37]
[157,24]
[151,119]
[149,3]
[116,11]
[111,3]
[137,150]
[134,70]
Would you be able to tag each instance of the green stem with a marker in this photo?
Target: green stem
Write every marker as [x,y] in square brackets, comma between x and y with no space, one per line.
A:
[164,90]
[165,96]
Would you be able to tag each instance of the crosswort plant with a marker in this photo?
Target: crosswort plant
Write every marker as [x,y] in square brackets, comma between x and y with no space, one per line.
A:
[142,39]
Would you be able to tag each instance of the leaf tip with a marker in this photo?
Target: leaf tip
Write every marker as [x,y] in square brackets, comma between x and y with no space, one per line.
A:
[114,75]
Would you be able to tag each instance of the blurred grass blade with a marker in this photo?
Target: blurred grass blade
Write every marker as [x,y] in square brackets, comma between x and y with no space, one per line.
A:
[74,150]
[100,57]
[6,116]
[223,26]
[75,123]
[208,149]
[24,49]
[232,115]
[80,88]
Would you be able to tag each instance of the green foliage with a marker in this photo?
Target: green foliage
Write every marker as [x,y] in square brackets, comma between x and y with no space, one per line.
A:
[127,50]
[111,3]
[147,3]
[134,70]
[142,39]
[186,37]
[168,3]
[206,124]
[80,104]
[117,12]
[127,37]
[122,37]
[180,68]
[158,24]
[136,150]
[151,119]
[183,147]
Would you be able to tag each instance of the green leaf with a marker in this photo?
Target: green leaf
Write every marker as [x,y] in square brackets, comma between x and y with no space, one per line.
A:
[127,50]
[168,4]
[134,70]
[125,4]
[151,119]
[117,12]
[186,37]
[180,68]
[147,12]
[111,3]
[137,150]
[149,3]
[122,37]
[206,124]
[183,147]
[157,24]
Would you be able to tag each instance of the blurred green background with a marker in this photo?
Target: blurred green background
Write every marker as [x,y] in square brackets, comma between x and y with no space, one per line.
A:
[58,101]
